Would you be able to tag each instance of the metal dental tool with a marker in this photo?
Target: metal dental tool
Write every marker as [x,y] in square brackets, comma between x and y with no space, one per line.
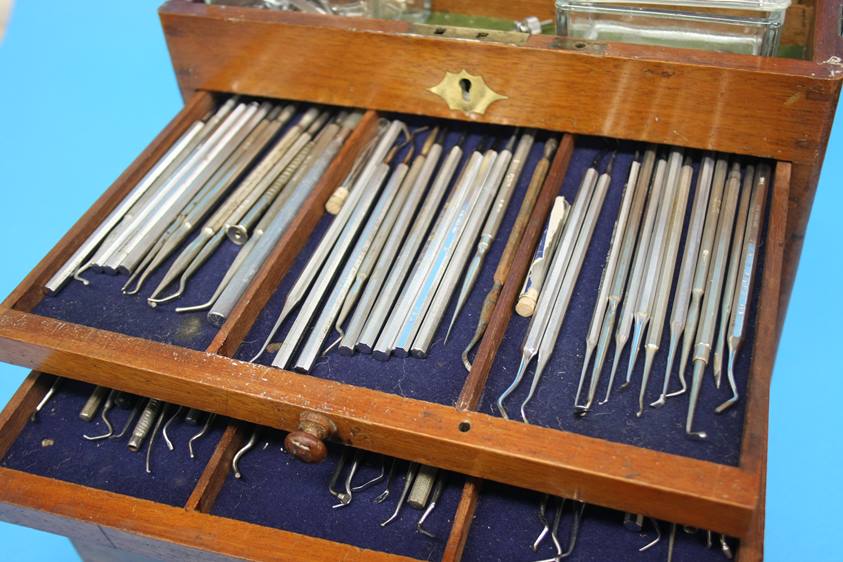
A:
[512,243]
[210,235]
[714,287]
[665,282]
[414,185]
[300,188]
[732,272]
[343,497]
[698,287]
[460,255]
[47,397]
[71,267]
[181,186]
[215,190]
[89,410]
[344,282]
[330,239]
[641,183]
[569,280]
[494,220]
[410,246]
[346,496]
[529,296]
[202,432]
[380,498]
[109,403]
[235,461]
[412,468]
[543,520]
[400,177]
[558,265]
[164,434]
[135,411]
[158,422]
[145,422]
[646,296]
[608,275]
[748,263]
[682,293]
[433,264]
[275,197]
[636,276]
[403,324]
[434,499]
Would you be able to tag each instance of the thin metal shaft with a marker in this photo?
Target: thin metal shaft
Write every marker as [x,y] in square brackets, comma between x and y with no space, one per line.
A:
[569,281]
[665,282]
[682,293]
[321,256]
[714,288]
[410,245]
[47,397]
[618,283]
[646,297]
[749,260]
[460,255]
[202,432]
[732,273]
[158,421]
[412,469]
[493,222]
[608,275]
[698,287]
[410,196]
[434,499]
[558,265]
[109,429]
[636,276]
[512,243]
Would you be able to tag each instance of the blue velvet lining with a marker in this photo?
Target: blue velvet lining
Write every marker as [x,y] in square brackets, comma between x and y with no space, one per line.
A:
[658,429]
[102,305]
[506,523]
[440,377]
[53,446]
[278,491]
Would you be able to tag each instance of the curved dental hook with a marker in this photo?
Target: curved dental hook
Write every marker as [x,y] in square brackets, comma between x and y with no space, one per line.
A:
[78,274]
[655,541]
[408,481]
[575,530]
[158,423]
[146,273]
[167,426]
[554,532]
[474,340]
[201,434]
[522,368]
[434,498]
[374,480]
[109,403]
[543,521]
[335,342]
[724,547]
[348,478]
[380,498]
[235,462]
[332,483]
[730,373]
[135,411]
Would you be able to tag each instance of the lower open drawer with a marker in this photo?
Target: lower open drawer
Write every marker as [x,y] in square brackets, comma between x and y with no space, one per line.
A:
[439,416]
[100,495]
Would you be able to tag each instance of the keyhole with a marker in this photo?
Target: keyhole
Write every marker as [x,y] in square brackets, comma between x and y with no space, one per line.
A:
[465,85]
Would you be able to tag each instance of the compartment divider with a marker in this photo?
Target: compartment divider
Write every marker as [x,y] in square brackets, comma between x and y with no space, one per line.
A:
[17,412]
[213,477]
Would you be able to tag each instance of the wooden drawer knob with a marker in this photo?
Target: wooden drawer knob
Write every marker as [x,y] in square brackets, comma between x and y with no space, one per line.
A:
[307,444]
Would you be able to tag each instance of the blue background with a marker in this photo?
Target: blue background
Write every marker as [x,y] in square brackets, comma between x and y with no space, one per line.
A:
[85,85]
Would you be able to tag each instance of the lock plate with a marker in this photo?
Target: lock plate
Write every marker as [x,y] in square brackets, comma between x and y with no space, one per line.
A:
[466,92]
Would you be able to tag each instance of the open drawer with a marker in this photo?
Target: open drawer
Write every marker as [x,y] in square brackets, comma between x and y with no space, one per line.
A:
[400,408]
[100,496]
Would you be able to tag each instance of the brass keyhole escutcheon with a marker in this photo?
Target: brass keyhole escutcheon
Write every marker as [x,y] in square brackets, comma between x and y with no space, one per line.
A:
[466,92]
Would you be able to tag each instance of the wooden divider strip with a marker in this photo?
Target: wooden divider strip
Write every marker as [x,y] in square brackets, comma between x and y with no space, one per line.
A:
[216,471]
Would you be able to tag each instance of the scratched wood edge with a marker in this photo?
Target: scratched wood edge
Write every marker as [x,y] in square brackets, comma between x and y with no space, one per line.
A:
[463,520]
[213,476]
[45,503]
[29,292]
[475,383]
[693,492]
[260,290]
[759,89]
